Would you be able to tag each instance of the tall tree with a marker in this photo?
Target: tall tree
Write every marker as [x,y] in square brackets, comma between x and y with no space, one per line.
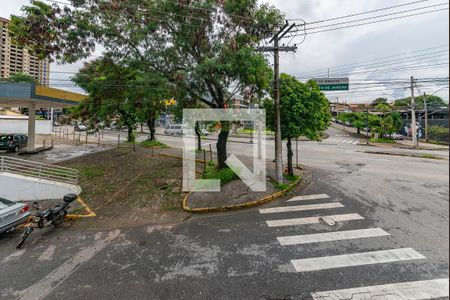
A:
[305,112]
[121,92]
[206,45]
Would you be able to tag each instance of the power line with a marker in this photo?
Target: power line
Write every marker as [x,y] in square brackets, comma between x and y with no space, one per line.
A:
[369,23]
[384,63]
[380,16]
[381,58]
[365,13]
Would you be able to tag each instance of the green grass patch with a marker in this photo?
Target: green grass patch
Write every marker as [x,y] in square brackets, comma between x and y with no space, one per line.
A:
[169,207]
[224,175]
[281,186]
[149,144]
[91,172]
[248,131]
[384,141]
[431,156]
[292,178]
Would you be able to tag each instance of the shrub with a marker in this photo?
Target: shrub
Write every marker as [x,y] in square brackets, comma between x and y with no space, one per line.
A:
[224,175]
[438,133]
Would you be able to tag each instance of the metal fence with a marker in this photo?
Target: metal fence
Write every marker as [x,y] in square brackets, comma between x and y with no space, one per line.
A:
[38,170]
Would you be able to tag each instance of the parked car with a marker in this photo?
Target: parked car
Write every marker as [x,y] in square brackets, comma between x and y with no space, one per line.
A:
[80,127]
[13,142]
[397,137]
[174,130]
[12,214]
[204,132]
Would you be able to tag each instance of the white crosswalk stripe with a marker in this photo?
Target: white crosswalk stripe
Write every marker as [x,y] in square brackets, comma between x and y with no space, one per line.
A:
[343,141]
[418,290]
[312,220]
[300,208]
[309,197]
[332,236]
[358,259]
[413,290]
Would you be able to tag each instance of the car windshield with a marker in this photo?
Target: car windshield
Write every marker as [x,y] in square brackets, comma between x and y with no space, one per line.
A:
[5,203]
[5,138]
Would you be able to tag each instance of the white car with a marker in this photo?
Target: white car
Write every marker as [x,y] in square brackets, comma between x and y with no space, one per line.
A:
[12,214]
[174,130]
[397,136]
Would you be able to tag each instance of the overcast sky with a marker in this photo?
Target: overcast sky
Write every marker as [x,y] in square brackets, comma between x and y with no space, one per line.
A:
[349,46]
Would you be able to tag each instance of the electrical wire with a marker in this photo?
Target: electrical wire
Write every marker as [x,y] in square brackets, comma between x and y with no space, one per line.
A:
[369,23]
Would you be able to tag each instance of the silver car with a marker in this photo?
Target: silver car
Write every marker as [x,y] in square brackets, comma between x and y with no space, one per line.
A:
[12,214]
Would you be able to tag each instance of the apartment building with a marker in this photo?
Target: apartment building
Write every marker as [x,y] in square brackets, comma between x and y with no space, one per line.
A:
[15,59]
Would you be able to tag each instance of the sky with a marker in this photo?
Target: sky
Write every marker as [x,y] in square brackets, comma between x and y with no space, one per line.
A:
[357,46]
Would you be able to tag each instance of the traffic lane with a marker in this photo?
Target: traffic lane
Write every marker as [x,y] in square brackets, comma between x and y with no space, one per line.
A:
[43,255]
[236,255]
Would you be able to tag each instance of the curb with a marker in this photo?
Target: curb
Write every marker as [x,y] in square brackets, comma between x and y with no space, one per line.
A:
[254,203]
[89,212]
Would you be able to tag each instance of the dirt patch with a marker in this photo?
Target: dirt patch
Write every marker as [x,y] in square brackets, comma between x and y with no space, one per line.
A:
[127,188]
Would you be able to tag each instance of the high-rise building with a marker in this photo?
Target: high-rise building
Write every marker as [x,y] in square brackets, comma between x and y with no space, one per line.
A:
[14,59]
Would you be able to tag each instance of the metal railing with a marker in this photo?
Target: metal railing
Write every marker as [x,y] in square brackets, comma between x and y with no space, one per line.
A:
[38,170]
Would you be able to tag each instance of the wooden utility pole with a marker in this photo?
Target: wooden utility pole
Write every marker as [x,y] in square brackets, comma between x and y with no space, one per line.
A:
[276,49]
[425,106]
[413,115]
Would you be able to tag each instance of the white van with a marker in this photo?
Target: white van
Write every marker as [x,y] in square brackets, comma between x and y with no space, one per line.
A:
[174,130]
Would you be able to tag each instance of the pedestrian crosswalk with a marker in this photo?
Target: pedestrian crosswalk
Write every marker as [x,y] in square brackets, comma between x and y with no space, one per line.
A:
[343,141]
[332,236]
[404,290]
[429,289]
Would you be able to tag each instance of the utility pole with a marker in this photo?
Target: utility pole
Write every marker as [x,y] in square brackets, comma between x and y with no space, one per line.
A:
[276,49]
[367,126]
[413,115]
[425,105]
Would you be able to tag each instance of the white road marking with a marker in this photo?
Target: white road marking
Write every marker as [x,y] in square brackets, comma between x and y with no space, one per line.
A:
[46,285]
[350,142]
[418,290]
[300,208]
[356,143]
[309,197]
[357,259]
[313,220]
[48,254]
[332,236]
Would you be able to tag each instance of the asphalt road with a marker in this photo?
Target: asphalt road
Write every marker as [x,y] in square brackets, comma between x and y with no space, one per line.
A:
[396,212]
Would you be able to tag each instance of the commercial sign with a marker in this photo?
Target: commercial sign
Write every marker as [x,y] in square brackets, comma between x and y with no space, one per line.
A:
[333,84]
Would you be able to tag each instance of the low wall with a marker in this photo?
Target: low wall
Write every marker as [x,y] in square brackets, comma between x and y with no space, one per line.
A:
[20,188]
[10,125]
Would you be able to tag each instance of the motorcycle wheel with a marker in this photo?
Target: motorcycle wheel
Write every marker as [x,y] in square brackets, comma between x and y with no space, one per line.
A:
[25,235]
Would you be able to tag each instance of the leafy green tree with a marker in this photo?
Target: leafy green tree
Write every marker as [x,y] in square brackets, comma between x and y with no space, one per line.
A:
[432,102]
[359,121]
[205,46]
[117,92]
[21,77]
[379,101]
[305,112]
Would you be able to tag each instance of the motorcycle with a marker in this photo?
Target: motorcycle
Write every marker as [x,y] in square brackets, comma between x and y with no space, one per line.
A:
[52,217]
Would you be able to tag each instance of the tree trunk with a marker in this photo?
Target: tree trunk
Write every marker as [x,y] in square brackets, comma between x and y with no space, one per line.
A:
[199,136]
[359,131]
[290,154]
[151,125]
[130,133]
[222,145]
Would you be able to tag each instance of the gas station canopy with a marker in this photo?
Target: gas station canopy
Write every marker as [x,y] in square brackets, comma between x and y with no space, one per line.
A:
[30,94]
[34,97]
